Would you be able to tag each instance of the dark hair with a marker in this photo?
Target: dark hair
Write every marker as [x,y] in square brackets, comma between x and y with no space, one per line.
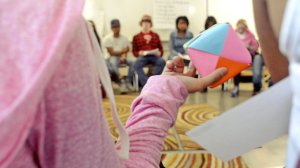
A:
[115,23]
[184,18]
[208,20]
[146,18]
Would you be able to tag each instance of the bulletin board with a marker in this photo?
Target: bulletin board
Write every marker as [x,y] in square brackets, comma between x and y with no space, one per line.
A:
[166,11]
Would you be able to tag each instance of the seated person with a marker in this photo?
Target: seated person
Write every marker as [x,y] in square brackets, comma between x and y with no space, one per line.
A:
[117,47]
[209,22]
[180,36]
[147,47]
[251,44]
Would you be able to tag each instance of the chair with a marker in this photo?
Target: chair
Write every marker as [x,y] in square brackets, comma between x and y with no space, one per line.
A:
[135,81]
[136,77]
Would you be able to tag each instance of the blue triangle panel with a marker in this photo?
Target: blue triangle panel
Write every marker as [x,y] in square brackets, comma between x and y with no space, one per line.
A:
[212,40]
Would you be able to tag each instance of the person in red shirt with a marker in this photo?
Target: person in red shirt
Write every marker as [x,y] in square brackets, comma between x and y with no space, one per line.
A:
[147,47]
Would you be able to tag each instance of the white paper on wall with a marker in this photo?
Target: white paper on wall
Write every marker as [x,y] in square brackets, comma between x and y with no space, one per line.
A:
[165,12]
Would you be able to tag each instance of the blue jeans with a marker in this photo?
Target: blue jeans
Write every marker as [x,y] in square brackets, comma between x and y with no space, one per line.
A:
[257,66]
[114,64]
[158,62]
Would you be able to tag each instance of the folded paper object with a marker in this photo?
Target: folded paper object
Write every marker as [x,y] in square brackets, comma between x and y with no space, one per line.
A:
[218,46]
[248,125]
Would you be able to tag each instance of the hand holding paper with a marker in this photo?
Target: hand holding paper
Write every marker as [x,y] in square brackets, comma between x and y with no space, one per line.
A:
[185,56]
[175,67]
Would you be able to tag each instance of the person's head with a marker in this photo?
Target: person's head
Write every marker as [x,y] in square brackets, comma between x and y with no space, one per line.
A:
[146,23]
[241,26]
[210,21]
[115,27]
[182,23]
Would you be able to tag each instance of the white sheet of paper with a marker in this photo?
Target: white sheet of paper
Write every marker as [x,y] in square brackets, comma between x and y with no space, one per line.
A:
[185,56]
[151,52]
[248,125]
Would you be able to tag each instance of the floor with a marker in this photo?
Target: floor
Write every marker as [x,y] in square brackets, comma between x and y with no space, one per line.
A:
[178,151]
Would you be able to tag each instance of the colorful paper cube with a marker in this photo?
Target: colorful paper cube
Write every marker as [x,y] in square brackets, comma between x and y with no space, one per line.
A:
[219,46]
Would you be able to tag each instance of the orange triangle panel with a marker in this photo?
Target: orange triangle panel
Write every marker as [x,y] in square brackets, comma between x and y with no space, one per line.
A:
[233,68]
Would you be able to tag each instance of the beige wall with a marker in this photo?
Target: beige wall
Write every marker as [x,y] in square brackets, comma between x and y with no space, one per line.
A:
[94,10]
[130,11]
[232,10]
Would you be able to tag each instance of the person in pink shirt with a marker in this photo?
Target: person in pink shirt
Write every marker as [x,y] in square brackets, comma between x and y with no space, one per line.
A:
[248,39]
[51,112]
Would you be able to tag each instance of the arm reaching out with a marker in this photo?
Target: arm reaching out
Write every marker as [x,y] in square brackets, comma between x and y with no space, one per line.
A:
[155,110]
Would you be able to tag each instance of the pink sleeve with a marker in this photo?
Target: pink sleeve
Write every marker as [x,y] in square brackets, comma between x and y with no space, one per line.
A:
[253,42]
[153,113]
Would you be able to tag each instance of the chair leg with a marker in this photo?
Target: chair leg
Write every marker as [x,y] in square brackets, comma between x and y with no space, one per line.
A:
[136,81]
[227,85]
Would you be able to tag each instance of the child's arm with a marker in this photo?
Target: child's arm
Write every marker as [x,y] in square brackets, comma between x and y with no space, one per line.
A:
[155,110]
[153,113]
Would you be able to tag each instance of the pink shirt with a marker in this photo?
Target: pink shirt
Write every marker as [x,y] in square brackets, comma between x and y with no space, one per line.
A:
[50,101]
[249,40]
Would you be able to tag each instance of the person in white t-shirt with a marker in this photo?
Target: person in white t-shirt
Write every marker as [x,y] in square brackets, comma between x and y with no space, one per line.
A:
[117,47]
[279,37]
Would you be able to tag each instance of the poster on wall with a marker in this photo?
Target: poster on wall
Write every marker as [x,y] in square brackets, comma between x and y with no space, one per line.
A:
[165,12]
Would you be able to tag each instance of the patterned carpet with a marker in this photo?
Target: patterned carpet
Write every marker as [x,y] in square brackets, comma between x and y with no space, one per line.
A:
[178,151]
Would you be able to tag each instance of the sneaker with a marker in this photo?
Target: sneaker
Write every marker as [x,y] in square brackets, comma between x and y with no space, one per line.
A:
[123,87]
[235,92]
